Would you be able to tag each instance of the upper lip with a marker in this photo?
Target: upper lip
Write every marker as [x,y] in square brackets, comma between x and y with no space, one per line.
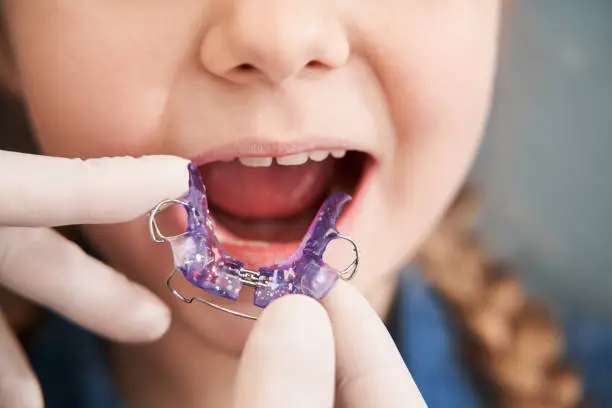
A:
[262,148]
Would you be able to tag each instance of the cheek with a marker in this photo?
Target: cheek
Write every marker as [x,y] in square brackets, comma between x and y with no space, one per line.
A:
[102,92]
[437,78]
[440,81]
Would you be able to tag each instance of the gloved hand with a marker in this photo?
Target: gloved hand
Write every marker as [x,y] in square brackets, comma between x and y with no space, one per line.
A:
[298,354]
[301,354]
[38,192]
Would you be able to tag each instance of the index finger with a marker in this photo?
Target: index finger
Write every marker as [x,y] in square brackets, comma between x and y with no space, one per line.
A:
[371,372]
[43,191]
[288,360]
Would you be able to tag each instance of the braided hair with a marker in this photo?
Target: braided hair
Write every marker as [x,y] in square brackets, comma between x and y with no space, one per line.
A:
[512,342]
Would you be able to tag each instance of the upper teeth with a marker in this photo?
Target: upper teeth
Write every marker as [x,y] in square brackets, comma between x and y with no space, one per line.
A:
[338,154]
[292,159]
[256,161]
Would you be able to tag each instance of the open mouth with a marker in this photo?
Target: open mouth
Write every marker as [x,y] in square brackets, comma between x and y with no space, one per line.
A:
[274,200]
[263,205]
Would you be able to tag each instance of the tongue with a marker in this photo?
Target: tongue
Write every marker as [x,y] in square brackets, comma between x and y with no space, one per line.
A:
[265,192]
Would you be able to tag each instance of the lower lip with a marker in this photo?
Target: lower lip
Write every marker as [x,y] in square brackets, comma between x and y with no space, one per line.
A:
[257,254]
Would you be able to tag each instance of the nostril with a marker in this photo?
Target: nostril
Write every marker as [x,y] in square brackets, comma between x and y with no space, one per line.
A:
[245,68]
[243,73]
[314,65]
[250,68]
[246,72]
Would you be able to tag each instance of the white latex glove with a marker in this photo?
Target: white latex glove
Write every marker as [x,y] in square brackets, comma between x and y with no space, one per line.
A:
[37,192]
[305,354]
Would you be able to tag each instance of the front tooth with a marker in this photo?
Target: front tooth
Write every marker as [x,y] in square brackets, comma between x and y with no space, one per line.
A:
[318,155]
[293,159]
[256,161]
[338,154]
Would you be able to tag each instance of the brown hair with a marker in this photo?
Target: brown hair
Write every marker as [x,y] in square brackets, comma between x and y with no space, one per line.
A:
[511,341]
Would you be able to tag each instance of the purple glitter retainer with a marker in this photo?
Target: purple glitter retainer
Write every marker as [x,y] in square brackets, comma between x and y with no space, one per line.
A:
[199,256]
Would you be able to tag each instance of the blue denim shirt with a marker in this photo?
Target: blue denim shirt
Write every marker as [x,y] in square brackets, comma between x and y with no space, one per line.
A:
[71,365]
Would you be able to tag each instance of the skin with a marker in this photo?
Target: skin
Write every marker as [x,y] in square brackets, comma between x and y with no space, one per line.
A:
[409,81]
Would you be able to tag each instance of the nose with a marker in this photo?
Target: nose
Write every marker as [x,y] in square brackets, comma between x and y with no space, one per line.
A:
[273,40]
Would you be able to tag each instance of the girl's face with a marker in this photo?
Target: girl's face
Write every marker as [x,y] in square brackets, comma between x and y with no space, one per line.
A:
[406,83]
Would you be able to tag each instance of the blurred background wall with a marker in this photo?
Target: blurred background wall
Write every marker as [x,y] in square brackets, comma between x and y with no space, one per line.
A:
[545,170]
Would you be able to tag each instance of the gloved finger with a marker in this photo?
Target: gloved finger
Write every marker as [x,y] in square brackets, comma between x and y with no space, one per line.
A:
[40,264]
[371,372]
[18,385]
[51,191]
[288,360]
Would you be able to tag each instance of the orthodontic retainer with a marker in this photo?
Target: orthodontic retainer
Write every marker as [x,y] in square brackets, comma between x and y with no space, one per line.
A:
[203,262]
